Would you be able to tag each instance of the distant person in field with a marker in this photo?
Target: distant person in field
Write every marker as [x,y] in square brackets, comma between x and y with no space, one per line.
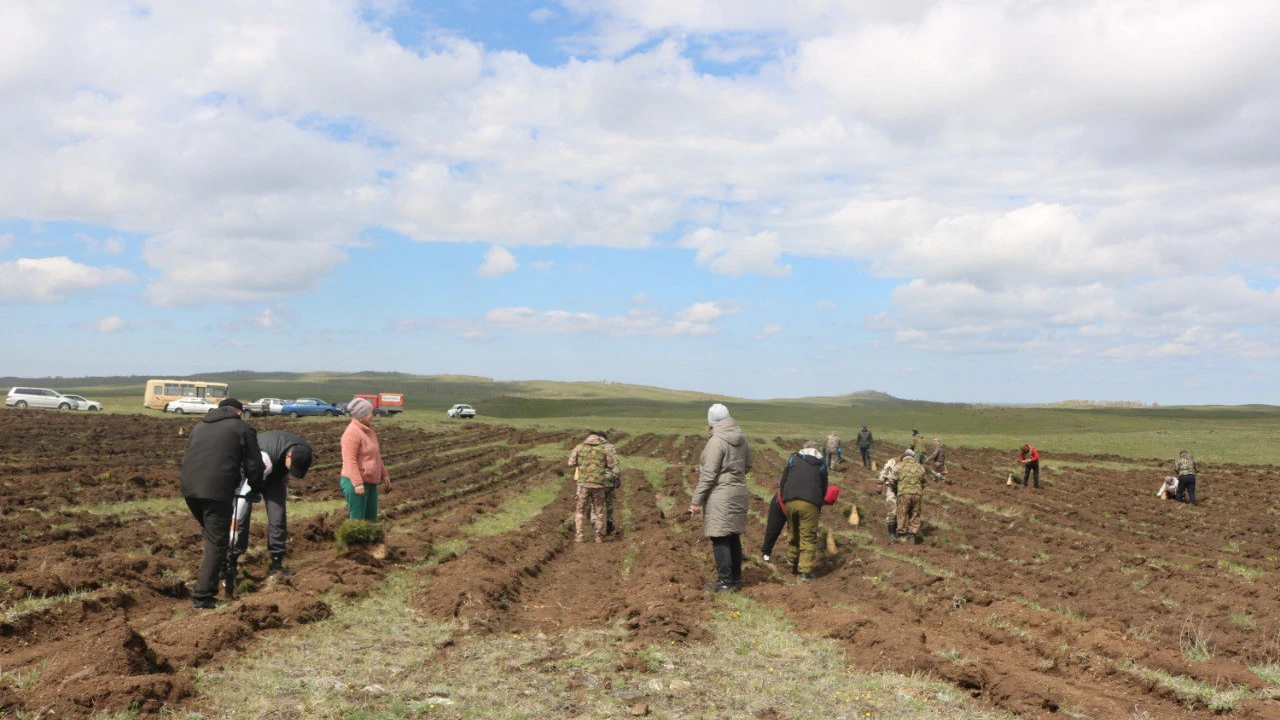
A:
[1185,468]
[721,495]
[918,445]
[223,449]
[595,461]
[1030,459]
[363,472]
[802,492]
[1169,488]
[889,480]
[833,450]
[285,456]
[865,443]
[910,498]
[936,462]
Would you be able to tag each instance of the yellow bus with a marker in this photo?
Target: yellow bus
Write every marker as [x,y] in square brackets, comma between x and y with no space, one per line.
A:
[159,392]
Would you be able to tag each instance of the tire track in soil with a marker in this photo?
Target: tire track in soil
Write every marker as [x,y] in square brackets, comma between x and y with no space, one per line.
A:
[131,641]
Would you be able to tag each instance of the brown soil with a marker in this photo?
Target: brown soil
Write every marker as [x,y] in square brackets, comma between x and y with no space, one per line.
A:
[1031,600]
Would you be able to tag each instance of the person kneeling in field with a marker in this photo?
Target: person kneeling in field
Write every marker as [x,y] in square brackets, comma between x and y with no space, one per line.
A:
[802,492]
[1168,489]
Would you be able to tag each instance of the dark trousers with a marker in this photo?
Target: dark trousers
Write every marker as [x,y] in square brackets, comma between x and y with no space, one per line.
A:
[727,551]
[1187,488]
[773,526]
[866,456]
[1031,469]
[214,517]
[275,494]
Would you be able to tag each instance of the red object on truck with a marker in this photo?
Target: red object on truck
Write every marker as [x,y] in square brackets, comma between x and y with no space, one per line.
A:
[387,403]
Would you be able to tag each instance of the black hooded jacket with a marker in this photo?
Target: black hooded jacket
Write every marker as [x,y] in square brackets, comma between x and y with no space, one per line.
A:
[276,444]
[804,478]
[222,447]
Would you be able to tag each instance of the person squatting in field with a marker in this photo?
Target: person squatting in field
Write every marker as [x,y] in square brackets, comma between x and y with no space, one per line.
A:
[865,442]
[889,479]
[284,455]
[222,450]
[363,471]
[910,498]
[1030,459]
[936,463]
[802,490]
[594,460]
[1185,468]
[1168,489]
[721,495]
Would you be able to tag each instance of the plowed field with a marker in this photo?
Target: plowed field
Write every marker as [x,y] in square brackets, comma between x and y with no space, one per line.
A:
[1087,597]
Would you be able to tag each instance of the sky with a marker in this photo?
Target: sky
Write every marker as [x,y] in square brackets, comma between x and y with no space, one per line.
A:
[952,200]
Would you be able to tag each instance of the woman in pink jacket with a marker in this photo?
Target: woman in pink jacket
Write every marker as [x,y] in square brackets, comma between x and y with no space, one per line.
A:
[362,468]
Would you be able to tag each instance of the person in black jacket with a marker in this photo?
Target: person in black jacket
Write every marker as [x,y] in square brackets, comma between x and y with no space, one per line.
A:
[802,491]
[222,450]
[287,455]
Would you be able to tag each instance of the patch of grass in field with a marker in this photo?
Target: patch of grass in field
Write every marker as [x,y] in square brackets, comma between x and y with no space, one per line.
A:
[311,508]
[1070,613]
[515,512]
[1243,621]
[996,621]
[866,543]
[1192,692]
[1269,673]
[22,679]
[1242,570]
[1101,465]
[132,509]
[1194,640]
[30,605]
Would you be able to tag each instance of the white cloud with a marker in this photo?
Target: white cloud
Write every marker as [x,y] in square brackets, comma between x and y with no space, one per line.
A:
[54,279]
[542,15]
[823,305]
[5,241]
[497,261]
[105,324]
[276,320]
[639,299]
[695,320]
[768,331]
[737,255]
[543,265]
[111,245]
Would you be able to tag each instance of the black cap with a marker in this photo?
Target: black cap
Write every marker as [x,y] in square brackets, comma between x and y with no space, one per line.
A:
[232,402]
[300,462]
[603,435]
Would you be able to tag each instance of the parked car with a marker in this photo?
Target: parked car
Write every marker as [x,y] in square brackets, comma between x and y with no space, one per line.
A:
[21,397]
[461,411]
[384,404]
[190,405]
[309,406]
[264,406]
[92,405]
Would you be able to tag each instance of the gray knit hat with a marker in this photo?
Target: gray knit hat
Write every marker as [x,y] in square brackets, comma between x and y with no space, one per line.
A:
[359,407]
[716,413]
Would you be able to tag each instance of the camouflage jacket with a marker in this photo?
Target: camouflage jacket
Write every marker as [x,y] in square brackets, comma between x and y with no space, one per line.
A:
[910,477]
[918,444]
[1185,466]
[889,478]
[833,442]
[596,461]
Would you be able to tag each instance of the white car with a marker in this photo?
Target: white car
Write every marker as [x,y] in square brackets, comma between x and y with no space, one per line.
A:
[92,405]
[264,406]
[191,405]
[21,397]
[461,411]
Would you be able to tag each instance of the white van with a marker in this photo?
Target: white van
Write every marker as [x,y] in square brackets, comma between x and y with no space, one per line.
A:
[21,397]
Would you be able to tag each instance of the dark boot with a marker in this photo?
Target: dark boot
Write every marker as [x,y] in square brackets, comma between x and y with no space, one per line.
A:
[723,556]
[277,568]
[230,577]
[893,531]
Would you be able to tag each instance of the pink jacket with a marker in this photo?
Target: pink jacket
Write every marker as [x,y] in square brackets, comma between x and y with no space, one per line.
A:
[361,460]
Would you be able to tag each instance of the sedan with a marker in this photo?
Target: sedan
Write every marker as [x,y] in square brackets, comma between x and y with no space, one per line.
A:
[309,406]
[93,405]
[189,405]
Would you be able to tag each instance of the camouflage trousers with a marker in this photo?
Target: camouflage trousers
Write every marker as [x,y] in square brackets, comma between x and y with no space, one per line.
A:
[610,495]
[909,513]
[891,509]
[939,475]
[589,509]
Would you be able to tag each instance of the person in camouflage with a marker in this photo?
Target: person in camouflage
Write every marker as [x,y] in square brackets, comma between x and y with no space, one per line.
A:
[833,450]
[936,463]
[910,494]
[1185,469]
[917,445]
[613,480]
[594,459]
[889,479]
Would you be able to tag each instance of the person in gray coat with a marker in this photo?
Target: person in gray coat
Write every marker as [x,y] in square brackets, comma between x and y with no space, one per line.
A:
[721,496]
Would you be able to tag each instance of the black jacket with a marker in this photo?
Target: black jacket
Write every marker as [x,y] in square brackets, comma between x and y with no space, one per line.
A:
[864,438]
[222,447]
[804,478]
[276,444]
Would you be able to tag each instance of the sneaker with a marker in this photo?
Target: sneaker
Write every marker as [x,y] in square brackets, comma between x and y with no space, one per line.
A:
[203,604]
[806,576]
[765,558]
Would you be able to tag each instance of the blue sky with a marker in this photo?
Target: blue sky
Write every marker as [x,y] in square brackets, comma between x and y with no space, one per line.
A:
[957,201]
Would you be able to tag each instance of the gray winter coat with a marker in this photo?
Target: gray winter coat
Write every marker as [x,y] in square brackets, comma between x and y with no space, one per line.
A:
[722,481]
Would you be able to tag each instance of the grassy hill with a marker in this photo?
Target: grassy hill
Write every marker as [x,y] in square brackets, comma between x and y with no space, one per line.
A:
[1248,434]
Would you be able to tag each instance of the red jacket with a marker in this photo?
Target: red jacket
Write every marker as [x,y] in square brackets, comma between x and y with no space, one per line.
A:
[1034,457]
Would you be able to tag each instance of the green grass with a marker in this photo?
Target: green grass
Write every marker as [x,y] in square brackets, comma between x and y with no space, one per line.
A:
[1241,570]
[132,509]
[1192,692]
[30,605]
[1243,621]
[1269,672]
[515,512]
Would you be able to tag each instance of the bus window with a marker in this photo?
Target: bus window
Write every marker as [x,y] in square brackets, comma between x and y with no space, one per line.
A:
[157,389]
[217,391]
[200,391]
[173,389]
